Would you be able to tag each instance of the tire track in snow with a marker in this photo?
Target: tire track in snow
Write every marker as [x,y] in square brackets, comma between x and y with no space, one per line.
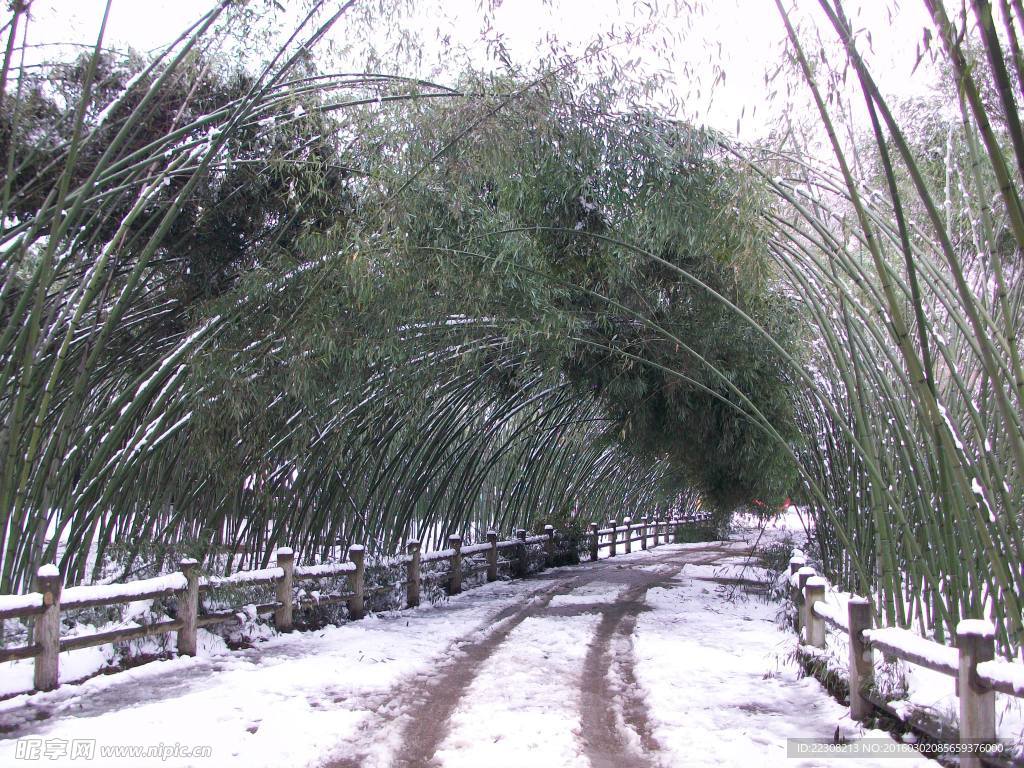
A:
[425,710]
[613,711]
[616,725]
[409,725]
[522,707]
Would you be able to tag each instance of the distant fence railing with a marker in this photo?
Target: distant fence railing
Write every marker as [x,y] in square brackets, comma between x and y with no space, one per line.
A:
[187,586]
[631,532]
[978,675]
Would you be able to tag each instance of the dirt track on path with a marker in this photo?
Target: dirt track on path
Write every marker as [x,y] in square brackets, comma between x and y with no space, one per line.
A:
[613,711]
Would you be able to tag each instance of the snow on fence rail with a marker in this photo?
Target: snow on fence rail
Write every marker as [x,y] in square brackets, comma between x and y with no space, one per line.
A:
[186,586]
[105,594]
[972,664]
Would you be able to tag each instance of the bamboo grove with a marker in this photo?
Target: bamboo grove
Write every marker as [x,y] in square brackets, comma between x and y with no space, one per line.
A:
[906,251]
[236,316]
[244,308]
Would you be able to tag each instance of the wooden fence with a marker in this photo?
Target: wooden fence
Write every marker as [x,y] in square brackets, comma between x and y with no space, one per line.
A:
[976,673]
[187,586]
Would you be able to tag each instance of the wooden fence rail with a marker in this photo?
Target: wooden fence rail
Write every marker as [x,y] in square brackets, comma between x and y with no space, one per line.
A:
[187,587]
[653,531]
[977,675]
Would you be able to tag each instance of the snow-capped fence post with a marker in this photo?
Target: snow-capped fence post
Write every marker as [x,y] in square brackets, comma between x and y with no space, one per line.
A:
[455,564]
[628,522]
[412,580]
[796,562]
[975,640]
[356,604]
[611,544]
[188,607]
[46,630]
[521,562]
[678,532]
[283,614]
[801,605]
[549,546]
[492,556]
[861,669]
[594,543]
[644,530]
[814,592]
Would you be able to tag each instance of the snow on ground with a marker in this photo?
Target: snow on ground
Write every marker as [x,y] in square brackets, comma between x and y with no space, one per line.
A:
[688,672]
[16,676]
[730,569]
[589,594]
[729,693]
[528,691]
[290,701]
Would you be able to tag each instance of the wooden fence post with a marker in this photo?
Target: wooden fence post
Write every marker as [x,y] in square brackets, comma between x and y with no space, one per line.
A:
[594,543]
[796,562]
[492,556]
[412,578]
[975,640]
[862,668]
[611,544]
[522,563]
[46,630]
[646,529]
[801,605]
[628,522]
[356,581]
[814,592]
[283,615]
[188,607]
[455,565]
[549,546]
[678,524]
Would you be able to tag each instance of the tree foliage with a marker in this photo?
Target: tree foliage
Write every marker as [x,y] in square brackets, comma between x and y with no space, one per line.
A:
[293,307]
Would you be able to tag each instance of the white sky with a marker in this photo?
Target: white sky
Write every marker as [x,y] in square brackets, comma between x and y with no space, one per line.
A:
[748,34]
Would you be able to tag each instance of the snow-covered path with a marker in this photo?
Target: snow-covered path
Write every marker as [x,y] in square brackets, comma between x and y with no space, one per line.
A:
[648,660]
